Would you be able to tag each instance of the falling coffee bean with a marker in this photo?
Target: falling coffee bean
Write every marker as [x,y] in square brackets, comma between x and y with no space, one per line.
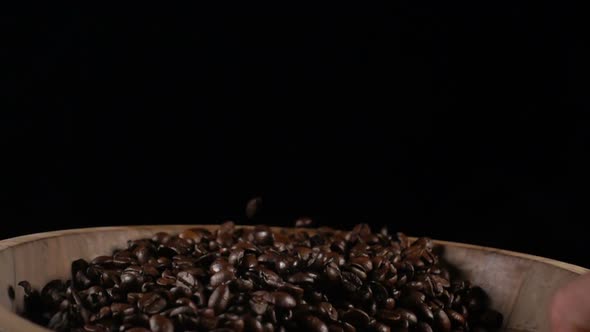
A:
[253,207]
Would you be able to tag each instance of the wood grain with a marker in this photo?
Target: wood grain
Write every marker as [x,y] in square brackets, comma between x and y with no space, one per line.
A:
[520,285]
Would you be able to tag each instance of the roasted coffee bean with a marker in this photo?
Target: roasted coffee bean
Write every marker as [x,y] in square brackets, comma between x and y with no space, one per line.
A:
[379,327]
[221,277]
[423,327]
[183,310]
[303,222]
[259,302]
[455,317]
[327,311]
[252,324]
[151,303]
[356,318]
[138,329]
[283,300]
[314,324]
[254,279]
[253,207]
[441,320]
[161,324]
[351,282]
[219,299]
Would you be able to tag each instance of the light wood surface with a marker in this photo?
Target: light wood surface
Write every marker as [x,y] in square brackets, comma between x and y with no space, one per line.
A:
[520,285]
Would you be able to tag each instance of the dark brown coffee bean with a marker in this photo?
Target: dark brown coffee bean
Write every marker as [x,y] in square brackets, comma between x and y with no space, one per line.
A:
[441,320]
[268,327]
[303,222]
[332,273]
[379,327]
[297,292]
[357,318]
[151,303]
[363,262]
[138,329]
[327,311]
[455,317]
[300,278]
[314,324]
[221,277]
[389,303]
[351,282]
[390,317]
[186,280]
[423,311]
[94,328]
[183,310]
[219,299]
[161,324]
[263,235]
[283,300]
[253,207]
[259,302]
[423,327]
[252,324]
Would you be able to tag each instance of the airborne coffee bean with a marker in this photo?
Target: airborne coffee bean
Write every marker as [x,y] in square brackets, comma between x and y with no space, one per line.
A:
[257,279]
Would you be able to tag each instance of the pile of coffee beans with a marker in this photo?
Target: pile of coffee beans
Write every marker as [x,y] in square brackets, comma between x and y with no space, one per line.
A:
[257,279]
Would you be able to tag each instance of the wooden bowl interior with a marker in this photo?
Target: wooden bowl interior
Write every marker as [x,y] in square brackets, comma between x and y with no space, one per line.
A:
[520,285]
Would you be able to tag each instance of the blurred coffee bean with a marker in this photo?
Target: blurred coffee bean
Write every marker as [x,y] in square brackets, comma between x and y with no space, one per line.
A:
[314,324]
[161,324]
[303,222]
[253,207]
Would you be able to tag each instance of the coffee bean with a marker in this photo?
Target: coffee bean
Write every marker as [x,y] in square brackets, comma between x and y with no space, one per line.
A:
[161,324]
[303,222]
[283,300]
[423,327]
[253,207]
[441,320]
[259,302]
[379,327]
[263,235]
[138,329]
[455,317]
[314,324]
[357,318]
[327,311]
[151,303]
[219,299]
[221,277]
[351,282]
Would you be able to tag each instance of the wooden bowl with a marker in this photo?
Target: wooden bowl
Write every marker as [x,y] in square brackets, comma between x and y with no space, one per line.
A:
[519,285]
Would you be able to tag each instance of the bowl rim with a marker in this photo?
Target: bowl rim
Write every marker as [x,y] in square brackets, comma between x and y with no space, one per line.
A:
[16,241]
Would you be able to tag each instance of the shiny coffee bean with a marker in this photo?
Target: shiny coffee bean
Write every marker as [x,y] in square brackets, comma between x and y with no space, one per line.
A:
[219,299]
[151,303]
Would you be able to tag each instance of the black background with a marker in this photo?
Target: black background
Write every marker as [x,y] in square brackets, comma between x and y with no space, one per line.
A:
[458,121]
